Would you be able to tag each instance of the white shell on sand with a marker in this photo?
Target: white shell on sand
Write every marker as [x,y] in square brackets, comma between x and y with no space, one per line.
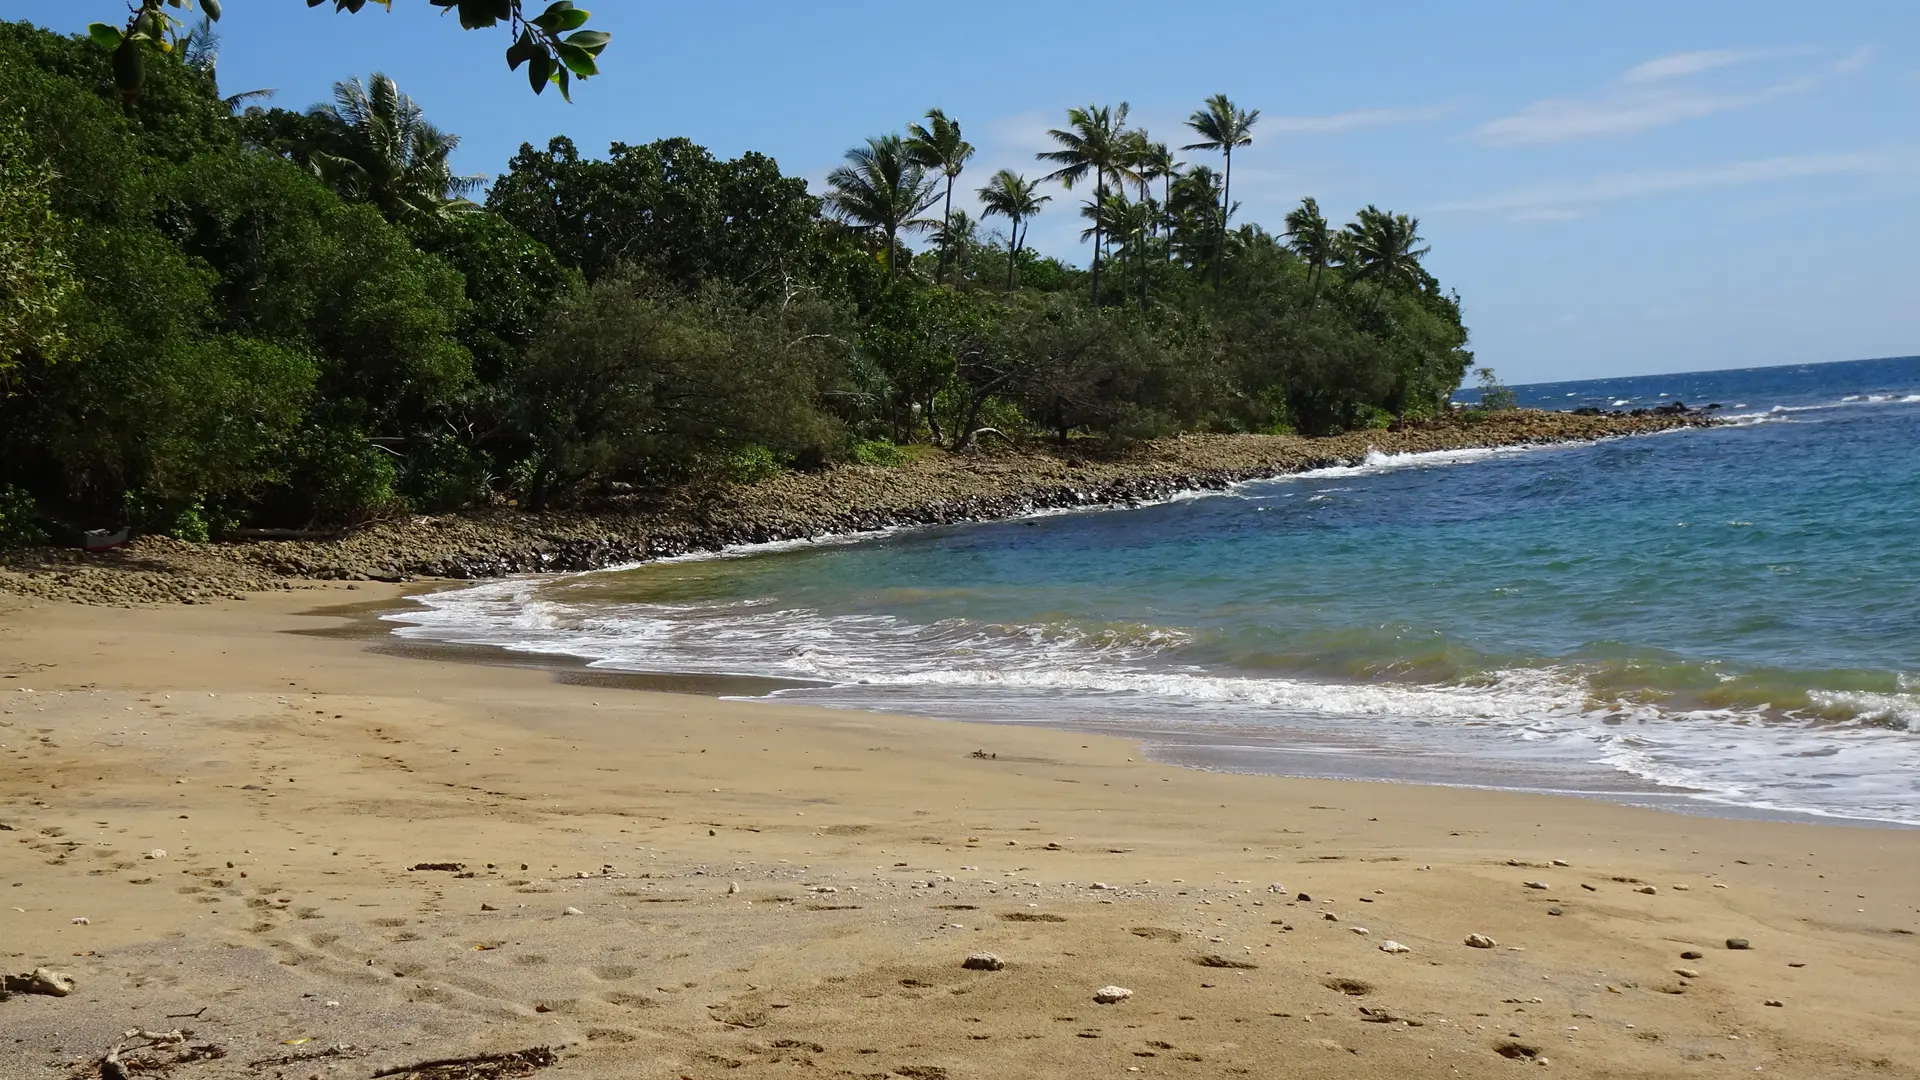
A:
[1109,995]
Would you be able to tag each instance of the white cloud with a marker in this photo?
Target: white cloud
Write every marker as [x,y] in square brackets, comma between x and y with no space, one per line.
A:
[1556,202]
[1681,65]
[1350,120]
[1665,90]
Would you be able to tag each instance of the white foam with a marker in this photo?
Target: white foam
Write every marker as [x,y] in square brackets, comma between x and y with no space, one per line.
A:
[1036,672]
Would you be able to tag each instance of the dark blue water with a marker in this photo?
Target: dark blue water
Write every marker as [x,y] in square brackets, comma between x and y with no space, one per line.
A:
[1728,615]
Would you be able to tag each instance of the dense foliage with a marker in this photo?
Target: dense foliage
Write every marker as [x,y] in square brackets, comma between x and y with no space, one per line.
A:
[212,319]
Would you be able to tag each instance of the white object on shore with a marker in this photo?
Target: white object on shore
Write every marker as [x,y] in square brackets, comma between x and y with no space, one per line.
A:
[1480,941]
[1393,947]
[82,920]
[1111,995]
[733,888]
[157,853]
[1361,930]
[573,911]
[1538,885]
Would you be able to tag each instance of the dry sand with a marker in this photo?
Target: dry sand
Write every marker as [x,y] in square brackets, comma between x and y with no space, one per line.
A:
[234,807]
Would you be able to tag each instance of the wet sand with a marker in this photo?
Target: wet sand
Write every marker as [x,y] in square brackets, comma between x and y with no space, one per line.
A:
[233,803]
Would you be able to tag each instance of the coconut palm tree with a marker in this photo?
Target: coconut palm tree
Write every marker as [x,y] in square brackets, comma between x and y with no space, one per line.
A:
[961,234]
[1193,205]
[1222,126]
[1156,162]
[1013,197]
[881,187]
[938,145]
[1092,142]
[1386,249]
[377,147]
[1311,239]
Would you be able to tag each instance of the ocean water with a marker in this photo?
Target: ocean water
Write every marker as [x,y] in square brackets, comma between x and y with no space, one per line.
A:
[1725,618]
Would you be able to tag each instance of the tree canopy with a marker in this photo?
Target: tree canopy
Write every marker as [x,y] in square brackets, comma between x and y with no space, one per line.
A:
[213,318]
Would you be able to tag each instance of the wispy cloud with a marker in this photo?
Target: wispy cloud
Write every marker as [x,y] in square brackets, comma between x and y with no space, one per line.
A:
[1682,65]
[1665,90]
[1556,202]
[1352,119]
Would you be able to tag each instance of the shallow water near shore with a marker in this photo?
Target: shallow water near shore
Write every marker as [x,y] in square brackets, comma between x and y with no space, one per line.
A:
[1726,616]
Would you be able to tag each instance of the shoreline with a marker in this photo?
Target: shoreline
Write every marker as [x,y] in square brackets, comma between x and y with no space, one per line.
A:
[372,625]
[761,887]
[941,489]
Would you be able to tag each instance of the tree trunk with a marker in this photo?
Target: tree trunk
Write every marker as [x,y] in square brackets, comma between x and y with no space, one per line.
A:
[1013,254]
[946,233]
[1099,198]
[890,252]
[933,420]
[1226,207]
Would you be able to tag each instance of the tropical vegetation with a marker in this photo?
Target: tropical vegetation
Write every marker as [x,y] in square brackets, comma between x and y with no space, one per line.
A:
[217,315]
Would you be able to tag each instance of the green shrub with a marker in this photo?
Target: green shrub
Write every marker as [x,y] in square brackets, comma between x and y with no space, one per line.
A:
[751,464]
[879,452]
[1496,396]
[19,519]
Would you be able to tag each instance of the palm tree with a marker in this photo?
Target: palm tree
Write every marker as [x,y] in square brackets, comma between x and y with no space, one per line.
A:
[881,187]
[961,233]
[379,148]
[1093,142]
[1193,205]
[1311,239]
[1013,197]
[938,145]
[200,50]
[1156,162]
[1386,249]
[1222,126]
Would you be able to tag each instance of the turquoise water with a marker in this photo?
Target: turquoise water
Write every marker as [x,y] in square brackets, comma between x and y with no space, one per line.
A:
[1729,616]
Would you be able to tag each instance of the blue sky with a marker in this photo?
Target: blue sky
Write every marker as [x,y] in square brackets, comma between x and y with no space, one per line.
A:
[1614,188]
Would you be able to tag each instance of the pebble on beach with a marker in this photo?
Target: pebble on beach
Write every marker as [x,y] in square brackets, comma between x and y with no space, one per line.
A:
[1111,995]
[983,961]
[1480,941]
[1393,947]
[1738,944]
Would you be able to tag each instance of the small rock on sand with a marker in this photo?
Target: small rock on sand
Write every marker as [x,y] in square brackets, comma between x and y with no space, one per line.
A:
[1692,954]
[1480,941]
[1647,889]
[1361,930]
[156,853]
[733,888]
[1776,1003]
[1561,862]
[39,981]
[983,961]
[1393,947]
[1739,944]
[1686,973]
[573,911]
[1538,885]
[1111,995]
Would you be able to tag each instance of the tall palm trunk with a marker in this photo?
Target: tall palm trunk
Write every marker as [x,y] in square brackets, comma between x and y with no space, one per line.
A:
[891,251]
[1013,254]
[1166,208]
[946,233]
[1226,206]
[1099,200]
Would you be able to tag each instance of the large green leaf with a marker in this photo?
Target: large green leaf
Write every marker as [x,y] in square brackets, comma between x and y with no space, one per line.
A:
[107,37]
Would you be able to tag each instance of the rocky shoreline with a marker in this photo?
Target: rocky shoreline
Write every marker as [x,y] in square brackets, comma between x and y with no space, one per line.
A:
[937,489]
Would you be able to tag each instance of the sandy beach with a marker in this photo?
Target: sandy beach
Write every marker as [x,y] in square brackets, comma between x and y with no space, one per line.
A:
[317,860]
